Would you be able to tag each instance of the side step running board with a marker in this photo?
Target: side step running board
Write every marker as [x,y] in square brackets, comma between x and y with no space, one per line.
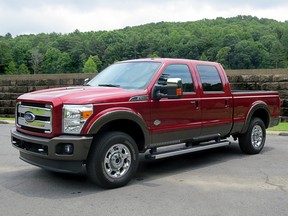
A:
[186,150]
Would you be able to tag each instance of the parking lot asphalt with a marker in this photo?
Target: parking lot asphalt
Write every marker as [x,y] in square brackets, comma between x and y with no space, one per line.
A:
[221,181]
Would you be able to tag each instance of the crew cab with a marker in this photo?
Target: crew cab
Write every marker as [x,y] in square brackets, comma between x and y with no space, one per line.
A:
[160,107]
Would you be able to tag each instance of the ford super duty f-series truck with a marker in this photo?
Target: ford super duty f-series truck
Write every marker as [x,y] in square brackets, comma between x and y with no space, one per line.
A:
[139,106]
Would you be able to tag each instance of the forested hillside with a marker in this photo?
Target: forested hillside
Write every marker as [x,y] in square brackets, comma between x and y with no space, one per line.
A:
[242,42]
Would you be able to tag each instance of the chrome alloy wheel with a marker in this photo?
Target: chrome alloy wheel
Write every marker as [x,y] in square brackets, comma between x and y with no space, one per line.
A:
[257,136]
[117,161]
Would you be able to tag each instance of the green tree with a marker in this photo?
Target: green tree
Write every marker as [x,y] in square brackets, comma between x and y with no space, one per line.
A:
[23,69]
[277,54]
[154,55]
[89,66]
[248,55]
[8,36]
[223,56]
[97,61]
[284,40]
[5,56]
[238,43]
[203,57]
[21,50]
[231,40]
[11,68]
[55,61]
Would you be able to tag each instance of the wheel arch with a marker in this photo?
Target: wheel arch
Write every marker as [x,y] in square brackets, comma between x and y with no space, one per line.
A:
[259,110]
[125,121]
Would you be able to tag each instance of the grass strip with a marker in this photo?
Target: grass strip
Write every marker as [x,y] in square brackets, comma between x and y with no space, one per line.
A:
[283,126]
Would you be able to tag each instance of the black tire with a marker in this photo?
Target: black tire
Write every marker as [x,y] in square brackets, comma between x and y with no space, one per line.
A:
[252,142]
[113,160]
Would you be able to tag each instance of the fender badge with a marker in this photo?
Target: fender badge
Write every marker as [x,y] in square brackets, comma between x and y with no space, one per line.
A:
[157,122]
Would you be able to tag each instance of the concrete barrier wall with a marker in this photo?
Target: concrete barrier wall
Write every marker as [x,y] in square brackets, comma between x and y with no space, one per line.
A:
[13,86]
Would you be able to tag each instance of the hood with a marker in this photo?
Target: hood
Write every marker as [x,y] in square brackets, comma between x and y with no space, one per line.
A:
[81,95]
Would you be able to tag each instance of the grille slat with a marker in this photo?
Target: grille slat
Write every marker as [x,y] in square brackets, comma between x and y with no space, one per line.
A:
[35,117]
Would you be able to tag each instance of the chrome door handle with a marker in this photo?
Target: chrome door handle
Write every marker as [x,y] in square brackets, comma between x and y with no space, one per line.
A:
[196,103]
[226,103]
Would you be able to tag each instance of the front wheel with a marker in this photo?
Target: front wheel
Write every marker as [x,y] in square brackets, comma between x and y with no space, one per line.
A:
[252,142]
[113,160]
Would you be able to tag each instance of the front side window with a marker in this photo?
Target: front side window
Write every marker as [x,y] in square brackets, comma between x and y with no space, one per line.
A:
[127,75]
[178,71]
[210,78]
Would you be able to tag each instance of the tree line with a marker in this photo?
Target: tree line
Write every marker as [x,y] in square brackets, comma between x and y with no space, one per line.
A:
[242,42]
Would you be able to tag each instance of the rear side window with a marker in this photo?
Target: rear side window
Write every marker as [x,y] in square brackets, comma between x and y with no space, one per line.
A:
[210,78]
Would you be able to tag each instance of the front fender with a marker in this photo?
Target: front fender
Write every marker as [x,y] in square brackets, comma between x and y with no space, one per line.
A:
[112,114]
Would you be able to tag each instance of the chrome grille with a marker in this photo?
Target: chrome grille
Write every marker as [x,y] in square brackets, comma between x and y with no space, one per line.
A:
[35,117]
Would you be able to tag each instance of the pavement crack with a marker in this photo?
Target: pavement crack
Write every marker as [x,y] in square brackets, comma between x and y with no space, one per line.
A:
[281,187]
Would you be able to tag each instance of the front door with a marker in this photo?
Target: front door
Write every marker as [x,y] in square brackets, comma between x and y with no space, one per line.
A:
[176,120]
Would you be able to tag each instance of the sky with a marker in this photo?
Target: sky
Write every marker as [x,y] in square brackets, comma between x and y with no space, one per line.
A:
[19,17]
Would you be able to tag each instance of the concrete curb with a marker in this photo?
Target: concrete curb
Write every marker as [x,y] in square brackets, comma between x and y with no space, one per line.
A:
[7,122]
[277,133]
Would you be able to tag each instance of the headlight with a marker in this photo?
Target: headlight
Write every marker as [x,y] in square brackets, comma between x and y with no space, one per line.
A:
[75,116]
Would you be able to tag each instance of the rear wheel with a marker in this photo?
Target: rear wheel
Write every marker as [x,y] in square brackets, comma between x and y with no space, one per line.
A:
[113,160]
[252,142]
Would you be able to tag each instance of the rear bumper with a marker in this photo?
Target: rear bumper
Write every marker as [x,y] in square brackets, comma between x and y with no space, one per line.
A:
[43,152]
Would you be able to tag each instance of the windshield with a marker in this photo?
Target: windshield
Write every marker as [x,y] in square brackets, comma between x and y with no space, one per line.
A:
[127,75]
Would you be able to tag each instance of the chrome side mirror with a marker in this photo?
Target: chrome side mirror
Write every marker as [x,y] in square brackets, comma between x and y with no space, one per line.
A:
[172,90]
[86,81]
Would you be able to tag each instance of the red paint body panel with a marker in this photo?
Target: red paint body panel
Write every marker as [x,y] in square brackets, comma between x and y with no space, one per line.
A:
[198,113]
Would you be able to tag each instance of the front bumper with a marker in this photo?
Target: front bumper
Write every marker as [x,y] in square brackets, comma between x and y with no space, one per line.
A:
[42,152]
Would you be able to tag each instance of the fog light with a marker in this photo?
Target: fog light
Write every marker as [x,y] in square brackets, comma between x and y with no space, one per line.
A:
[68,149]
[64,149]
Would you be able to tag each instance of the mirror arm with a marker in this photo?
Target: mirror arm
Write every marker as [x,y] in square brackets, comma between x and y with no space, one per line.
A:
[157,95]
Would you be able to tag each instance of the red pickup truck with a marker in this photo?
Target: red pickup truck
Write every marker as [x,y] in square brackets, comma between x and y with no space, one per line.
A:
[139,106]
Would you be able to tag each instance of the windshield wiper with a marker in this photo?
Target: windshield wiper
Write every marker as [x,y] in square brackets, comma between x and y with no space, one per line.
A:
[109,85]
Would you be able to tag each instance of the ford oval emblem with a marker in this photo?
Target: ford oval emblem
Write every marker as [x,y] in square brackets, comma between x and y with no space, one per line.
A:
[29,117]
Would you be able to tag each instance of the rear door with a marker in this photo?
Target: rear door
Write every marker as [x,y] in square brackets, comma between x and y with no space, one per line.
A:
[176,120]
[216,100]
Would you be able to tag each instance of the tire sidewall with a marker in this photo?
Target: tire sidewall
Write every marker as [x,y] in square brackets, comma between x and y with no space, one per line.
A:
[96,166]
[134,158]
[245,141]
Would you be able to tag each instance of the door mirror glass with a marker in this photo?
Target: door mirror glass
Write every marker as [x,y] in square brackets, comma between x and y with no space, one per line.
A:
[172,89]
